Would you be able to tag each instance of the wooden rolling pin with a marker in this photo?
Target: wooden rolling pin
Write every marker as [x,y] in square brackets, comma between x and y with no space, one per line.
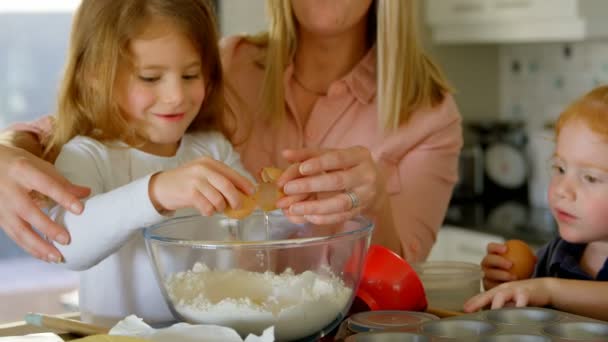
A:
[442,313]
[67,325]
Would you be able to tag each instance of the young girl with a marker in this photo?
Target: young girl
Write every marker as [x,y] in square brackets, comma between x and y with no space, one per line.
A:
[139,123]
[572,270]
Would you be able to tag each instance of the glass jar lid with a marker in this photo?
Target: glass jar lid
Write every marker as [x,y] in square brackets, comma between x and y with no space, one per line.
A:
[385,320]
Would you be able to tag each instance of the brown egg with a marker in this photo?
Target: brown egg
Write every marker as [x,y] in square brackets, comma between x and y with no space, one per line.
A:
[522,257]
[270,174]
[267,193]
[265,197]
[247,207]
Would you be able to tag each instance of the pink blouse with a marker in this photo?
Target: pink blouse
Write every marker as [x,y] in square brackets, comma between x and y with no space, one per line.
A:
[419,160]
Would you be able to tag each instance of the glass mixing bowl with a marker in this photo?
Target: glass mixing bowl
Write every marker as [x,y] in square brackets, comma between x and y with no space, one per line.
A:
[259,272]
[449,284]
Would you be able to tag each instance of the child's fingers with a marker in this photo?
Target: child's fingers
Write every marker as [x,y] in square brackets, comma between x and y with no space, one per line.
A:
[496,248]
[497,275]
[232,175]
[214,197]
[521,299]
[500,299]
[203,206]
[477,302]
[496,261]
[225,189]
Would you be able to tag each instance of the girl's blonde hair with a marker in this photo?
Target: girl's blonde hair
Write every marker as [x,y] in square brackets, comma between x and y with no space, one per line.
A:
[407,78]
[99,43]
[592,109]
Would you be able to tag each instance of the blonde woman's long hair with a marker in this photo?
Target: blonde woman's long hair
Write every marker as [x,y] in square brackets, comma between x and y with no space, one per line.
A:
[407,78]
[99,43]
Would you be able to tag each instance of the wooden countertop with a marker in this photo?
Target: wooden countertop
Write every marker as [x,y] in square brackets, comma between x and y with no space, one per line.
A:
[20,328]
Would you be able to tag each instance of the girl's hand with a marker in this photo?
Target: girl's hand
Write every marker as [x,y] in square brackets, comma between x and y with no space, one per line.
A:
[326,186]
[205,184]
[496,267]
[22,176]
[529,292]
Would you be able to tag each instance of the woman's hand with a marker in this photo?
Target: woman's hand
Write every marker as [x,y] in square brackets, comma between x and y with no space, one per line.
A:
[326,186]
[21,176]
[205,184]
[496,267]
[529,292]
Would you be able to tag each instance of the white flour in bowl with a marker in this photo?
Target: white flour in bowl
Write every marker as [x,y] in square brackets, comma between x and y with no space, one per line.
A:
[297,305]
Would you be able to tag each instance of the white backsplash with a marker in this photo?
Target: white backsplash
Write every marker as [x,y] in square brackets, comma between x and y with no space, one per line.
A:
[537,81]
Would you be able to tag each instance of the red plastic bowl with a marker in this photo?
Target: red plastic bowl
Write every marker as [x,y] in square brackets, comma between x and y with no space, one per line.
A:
[388,282]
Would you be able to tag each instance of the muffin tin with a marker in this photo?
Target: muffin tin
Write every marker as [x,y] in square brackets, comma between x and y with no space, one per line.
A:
[501,325]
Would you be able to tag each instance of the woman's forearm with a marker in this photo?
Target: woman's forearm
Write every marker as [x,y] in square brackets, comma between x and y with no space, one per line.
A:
[385,232]
[580,297]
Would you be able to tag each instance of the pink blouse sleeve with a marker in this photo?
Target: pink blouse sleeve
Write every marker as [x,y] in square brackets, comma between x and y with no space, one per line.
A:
[40,127]
[421,165]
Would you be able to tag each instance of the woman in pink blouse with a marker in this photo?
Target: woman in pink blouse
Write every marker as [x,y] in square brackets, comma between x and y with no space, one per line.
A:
[340,94]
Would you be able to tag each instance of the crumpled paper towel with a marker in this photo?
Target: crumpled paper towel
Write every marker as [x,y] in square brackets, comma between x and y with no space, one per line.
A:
[184,332]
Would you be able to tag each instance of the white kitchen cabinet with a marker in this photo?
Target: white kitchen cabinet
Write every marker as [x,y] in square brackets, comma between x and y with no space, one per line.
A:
[504,21]
[459,244]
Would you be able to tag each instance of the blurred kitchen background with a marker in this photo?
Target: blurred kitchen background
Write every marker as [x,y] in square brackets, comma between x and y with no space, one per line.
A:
[514,64]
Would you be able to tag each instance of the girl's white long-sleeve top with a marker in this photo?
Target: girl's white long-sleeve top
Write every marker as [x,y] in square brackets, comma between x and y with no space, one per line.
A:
[107,244]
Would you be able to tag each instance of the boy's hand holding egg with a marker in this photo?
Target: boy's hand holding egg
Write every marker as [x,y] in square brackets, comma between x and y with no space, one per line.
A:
[513,260]
[265,197]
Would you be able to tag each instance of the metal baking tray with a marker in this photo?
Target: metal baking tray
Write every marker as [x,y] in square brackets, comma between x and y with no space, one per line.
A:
[501,325]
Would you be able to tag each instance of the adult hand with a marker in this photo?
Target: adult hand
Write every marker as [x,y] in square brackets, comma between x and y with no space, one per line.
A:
[496,267]
[21,176]
[325,186]
[205,184]
[529,292]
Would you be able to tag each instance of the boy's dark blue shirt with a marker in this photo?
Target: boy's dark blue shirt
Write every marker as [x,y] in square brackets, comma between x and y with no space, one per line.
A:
[560,259]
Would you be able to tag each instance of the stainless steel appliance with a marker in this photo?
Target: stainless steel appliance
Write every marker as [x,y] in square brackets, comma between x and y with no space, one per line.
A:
[505,165]
[470,173]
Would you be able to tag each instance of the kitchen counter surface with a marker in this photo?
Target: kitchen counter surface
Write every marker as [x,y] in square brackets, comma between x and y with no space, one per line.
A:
[20,328]
[509,219]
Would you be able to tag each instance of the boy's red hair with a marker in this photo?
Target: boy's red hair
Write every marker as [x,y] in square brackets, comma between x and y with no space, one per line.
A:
[592,109]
